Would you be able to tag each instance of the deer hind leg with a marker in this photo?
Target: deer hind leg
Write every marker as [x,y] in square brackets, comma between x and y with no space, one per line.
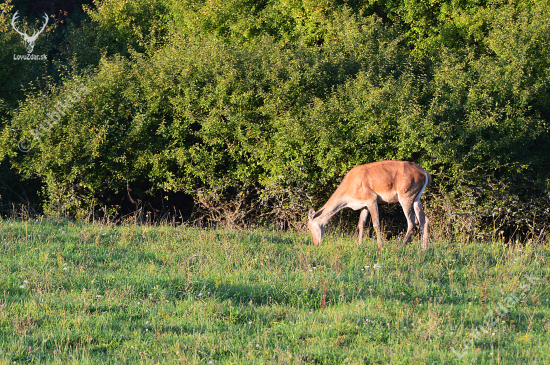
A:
[423,222]
[362,221]
[373,209]
[411,223]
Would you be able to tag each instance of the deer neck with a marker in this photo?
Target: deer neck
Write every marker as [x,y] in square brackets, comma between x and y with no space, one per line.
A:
[332,206]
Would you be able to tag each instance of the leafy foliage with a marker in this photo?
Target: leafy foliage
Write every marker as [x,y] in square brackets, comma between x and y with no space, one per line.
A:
[278,100]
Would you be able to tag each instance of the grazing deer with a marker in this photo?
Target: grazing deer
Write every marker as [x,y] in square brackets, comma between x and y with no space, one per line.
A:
[365,185]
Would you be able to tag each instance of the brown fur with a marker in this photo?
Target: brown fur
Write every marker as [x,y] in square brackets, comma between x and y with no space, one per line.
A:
[366,185]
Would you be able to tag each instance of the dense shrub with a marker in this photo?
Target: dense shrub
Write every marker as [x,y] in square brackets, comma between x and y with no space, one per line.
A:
[268,104]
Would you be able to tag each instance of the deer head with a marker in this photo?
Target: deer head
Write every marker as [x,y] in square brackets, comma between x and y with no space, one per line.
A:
[316,229]
[29,40]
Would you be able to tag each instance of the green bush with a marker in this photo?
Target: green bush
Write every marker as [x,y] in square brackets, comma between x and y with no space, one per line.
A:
[262,107]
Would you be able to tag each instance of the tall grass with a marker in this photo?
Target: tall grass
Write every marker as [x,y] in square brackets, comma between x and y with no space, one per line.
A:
[97,294]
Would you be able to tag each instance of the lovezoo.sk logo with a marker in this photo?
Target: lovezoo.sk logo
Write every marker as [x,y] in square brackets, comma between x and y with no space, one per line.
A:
[29,40]
[61,108]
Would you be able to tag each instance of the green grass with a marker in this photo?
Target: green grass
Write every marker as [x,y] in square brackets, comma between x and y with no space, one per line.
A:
[91,294]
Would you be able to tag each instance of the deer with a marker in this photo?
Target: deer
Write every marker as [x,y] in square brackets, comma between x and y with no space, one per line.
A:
[29,40]
[366,185]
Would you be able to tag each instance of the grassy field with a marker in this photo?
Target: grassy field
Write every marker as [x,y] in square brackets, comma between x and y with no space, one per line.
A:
[93,294]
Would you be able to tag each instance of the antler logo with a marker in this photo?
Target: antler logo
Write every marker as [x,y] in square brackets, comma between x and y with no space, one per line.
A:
[29,40]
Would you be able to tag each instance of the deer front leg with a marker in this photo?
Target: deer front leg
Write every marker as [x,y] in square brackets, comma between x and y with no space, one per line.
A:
[362,220]
[373,209]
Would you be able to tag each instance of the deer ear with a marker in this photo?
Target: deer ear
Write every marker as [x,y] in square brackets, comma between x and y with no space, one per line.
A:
[311,213]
